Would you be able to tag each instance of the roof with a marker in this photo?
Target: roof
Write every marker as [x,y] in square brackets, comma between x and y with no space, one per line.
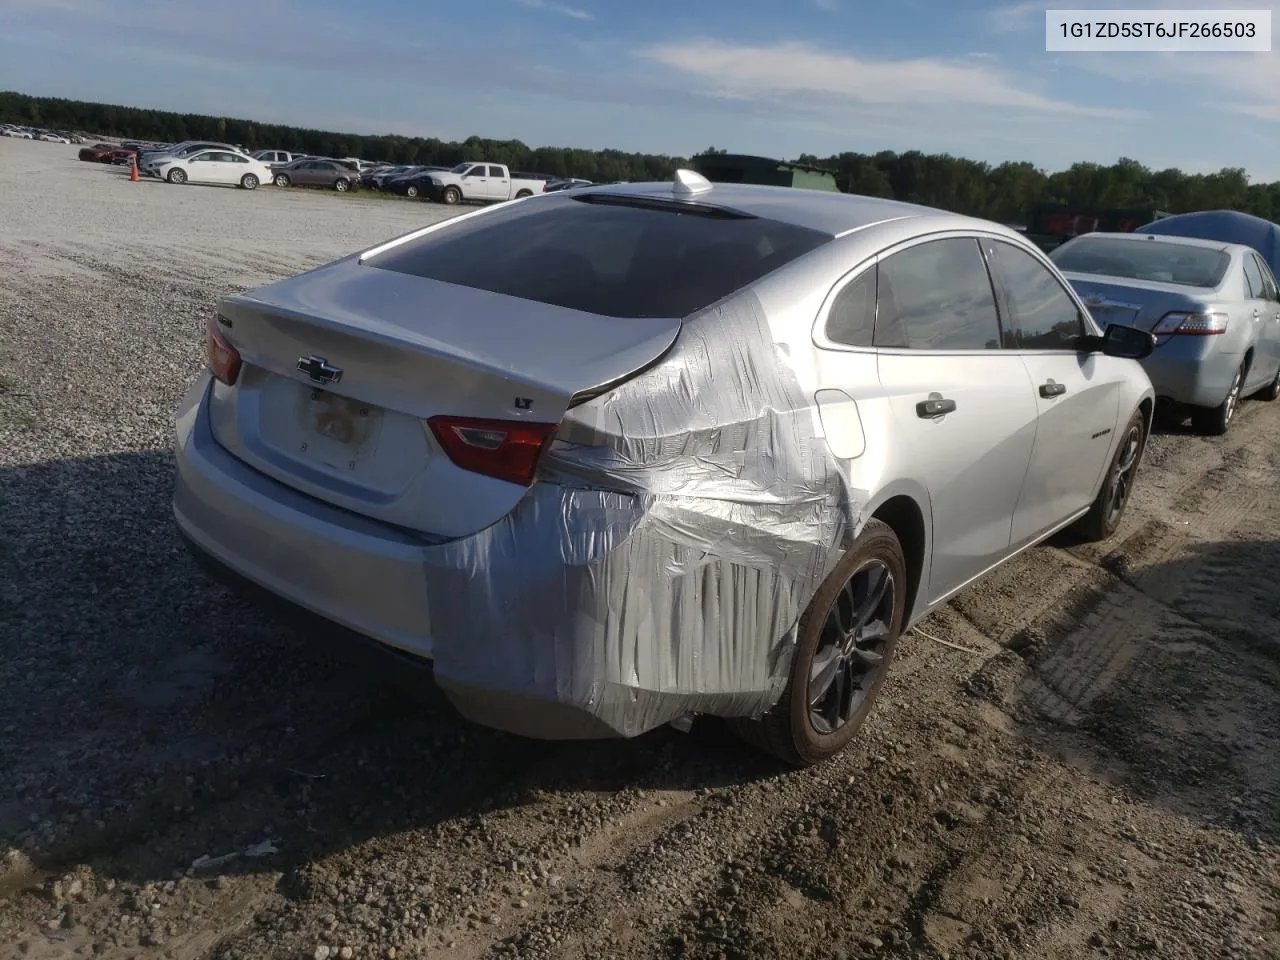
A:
[1226,226]
[833,213]
[746,159]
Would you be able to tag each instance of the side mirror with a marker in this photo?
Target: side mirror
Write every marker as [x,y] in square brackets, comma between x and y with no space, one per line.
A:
[1126,342]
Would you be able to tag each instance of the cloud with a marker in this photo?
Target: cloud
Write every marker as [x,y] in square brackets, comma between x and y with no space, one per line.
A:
[1016,17]
[1242,83]
[559,8]
[1027,16]
[790,69]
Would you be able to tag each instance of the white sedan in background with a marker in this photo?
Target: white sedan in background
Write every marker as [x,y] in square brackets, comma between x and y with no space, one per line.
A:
[213,166]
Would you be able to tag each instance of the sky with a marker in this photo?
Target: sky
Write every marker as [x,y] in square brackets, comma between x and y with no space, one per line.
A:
[664,76]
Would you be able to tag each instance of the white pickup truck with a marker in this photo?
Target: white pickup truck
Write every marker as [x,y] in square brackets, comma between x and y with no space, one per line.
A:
[483,182]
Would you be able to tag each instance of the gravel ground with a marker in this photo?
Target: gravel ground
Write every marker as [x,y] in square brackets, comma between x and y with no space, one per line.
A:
[1094,775]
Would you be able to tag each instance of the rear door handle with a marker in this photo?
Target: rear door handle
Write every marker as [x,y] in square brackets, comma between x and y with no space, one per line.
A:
[1052,389]
[934,407]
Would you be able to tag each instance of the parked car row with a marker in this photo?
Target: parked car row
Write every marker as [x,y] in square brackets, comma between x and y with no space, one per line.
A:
[584,551]
[18,132]
[469,181]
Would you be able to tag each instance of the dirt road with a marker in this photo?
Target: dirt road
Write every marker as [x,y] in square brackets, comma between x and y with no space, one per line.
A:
[1095,773]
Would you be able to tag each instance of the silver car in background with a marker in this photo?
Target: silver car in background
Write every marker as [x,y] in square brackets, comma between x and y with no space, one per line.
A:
[616,456]
[1214,308]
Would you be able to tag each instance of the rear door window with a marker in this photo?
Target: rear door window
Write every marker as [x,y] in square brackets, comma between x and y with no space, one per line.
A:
[617,256]
[851,320]
[1268,278]
[936,296]
[1253,279]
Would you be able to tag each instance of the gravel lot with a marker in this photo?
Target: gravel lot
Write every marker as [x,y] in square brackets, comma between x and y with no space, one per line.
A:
[1095,774]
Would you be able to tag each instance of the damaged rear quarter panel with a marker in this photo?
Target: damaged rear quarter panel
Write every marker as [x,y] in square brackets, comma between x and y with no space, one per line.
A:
[682,523]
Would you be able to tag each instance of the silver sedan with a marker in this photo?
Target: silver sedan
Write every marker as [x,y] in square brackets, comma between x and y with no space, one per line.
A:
[1213,306]
[621,455]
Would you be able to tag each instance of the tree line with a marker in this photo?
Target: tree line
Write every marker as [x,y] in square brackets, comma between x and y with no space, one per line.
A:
[1004,192]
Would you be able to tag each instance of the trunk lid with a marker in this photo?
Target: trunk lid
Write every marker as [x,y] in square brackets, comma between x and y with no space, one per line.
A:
[408,349]
[1137,303]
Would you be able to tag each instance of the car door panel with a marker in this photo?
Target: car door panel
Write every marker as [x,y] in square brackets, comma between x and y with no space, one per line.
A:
[222,168]
[972,460]
[1075,432]
[499,184]
[1252,320]
[1271,319]
[1077,394]
[963,410]
[1264,319]
[198,170]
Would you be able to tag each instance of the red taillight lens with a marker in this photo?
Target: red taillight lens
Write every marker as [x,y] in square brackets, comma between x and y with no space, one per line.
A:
[1190,324]
[223,358]
[506,449]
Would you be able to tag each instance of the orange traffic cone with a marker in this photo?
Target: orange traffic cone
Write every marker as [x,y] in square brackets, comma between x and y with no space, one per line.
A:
[133,170]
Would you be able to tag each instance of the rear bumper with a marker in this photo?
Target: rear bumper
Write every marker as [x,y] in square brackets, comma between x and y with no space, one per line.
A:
[572,618]
[1193,370]
[365,576]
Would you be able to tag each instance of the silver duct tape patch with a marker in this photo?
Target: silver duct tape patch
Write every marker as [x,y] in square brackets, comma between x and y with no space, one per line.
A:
[685,521]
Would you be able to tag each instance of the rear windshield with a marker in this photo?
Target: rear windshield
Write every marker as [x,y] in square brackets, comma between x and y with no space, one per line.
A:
[605,258]
[1143,260]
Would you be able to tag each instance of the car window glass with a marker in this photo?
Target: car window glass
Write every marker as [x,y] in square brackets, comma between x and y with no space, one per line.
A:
[852,318]
[1268,278]
[936,296]
[1039,313]
[1143,259]
[606,256]
[1252,278]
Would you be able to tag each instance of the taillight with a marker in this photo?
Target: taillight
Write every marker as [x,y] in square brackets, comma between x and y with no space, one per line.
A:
[1191,324]
[505,449]
[223,358]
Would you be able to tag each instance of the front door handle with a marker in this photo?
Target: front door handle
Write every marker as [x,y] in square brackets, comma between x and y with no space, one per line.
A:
[1052,389]
[935,406]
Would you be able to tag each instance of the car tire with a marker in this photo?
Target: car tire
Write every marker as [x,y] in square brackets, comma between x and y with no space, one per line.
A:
[249,181]
[798,730]
[524,193]
[451,195]
[1272,390]
[341,185]
[1104,516]
[411,192]
[1214,421]
[176,176]
[282,180]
